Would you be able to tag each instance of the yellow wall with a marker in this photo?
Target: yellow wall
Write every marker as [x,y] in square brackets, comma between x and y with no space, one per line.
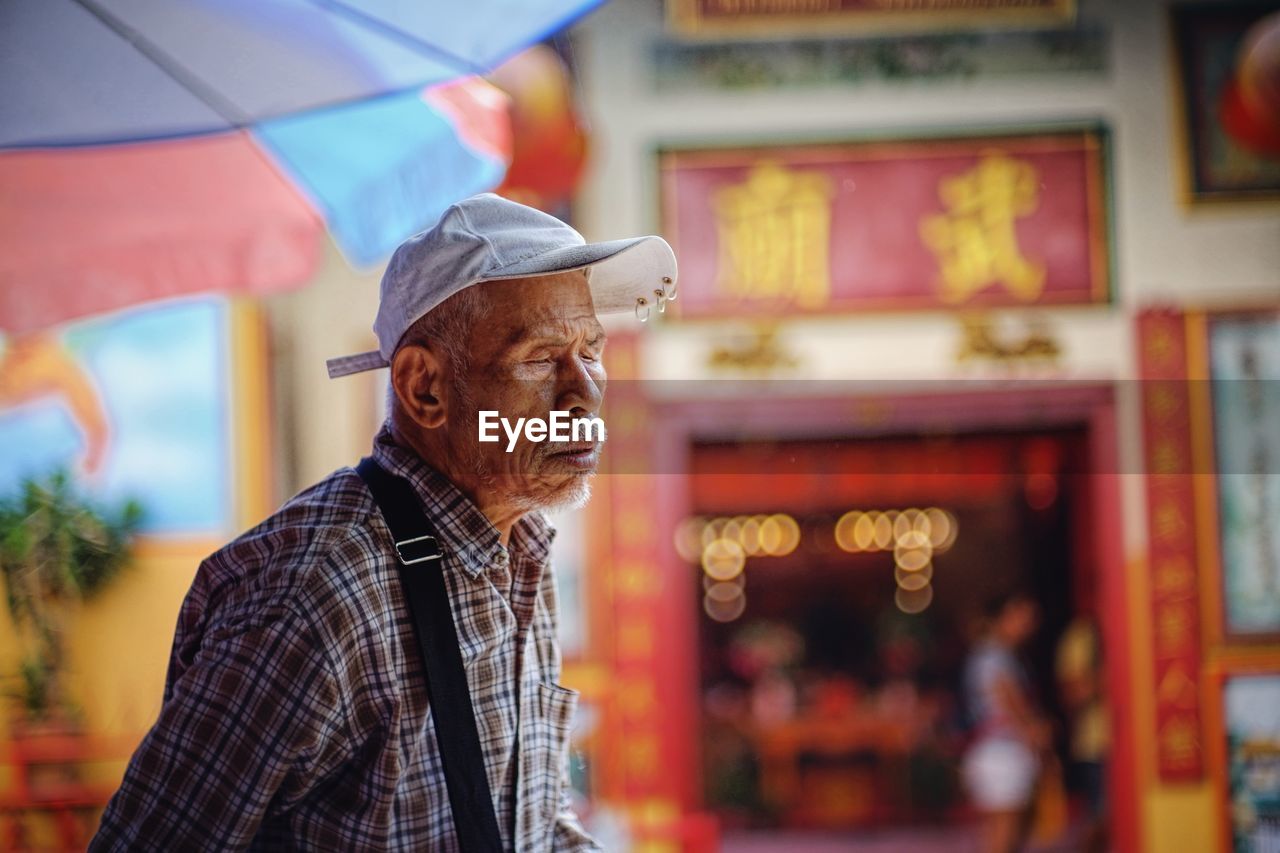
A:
[1180,819]
[119,647]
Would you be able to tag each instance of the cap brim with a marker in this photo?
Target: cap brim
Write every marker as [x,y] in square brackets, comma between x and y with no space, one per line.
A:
[622,271]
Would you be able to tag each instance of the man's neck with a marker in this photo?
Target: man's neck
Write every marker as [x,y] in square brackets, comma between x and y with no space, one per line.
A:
[503,519]
[502,516]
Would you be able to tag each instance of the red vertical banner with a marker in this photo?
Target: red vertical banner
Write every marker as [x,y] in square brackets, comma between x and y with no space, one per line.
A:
[1171,530]
[639,744]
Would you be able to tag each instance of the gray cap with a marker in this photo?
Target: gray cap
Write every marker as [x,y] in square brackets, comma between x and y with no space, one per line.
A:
[489,238]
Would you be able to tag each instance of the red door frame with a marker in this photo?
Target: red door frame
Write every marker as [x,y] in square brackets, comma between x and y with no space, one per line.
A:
[872,408]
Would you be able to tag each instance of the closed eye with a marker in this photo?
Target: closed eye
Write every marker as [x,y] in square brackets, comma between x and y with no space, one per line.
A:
[539,355]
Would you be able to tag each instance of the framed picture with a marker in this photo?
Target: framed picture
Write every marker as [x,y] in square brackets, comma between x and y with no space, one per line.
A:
[145,404]
[1230,139]
[982,220]
[1244,728]
[1244,368]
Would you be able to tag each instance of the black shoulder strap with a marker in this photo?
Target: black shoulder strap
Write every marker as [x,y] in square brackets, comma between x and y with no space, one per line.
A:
[421,570]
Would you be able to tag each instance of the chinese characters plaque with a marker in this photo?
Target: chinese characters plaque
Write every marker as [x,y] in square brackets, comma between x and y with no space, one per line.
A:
[921,224]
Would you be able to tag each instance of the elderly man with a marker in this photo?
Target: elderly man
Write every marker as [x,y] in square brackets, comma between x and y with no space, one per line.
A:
[375,666]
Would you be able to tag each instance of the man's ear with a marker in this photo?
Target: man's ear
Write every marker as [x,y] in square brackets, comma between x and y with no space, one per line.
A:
[417,374]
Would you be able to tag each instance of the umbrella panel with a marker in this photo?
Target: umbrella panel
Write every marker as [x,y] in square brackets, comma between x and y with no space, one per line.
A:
[90,230]
[75,72]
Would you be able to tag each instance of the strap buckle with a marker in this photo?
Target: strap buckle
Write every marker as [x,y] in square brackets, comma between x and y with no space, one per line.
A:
[429,552]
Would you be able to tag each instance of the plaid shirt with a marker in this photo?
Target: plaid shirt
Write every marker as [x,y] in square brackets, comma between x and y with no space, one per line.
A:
[295,710]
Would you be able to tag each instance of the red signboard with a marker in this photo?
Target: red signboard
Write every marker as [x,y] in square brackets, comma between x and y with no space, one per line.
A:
[647,708]
[921,224]
[822,17]
[1171,527]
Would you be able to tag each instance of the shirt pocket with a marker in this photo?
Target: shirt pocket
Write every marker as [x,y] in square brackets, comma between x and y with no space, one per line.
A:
[550,752]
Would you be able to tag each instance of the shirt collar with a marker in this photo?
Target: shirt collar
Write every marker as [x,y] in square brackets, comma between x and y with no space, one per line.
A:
[531,537]
[465,532]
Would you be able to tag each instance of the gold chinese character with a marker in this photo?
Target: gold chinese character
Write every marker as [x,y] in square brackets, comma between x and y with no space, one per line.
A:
[1179,742]
[635,639]
[1166,457]
[1160,346]
[1173,576]
[775,233]
[642,754]
[636,698]
[1167,522]
[637,579]
[1162,401]
[1173,635]
[655,812]
[975,240]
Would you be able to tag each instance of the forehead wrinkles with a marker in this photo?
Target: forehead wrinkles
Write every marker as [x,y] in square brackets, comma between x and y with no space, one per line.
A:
[561,321]
[558,307]
[565,327]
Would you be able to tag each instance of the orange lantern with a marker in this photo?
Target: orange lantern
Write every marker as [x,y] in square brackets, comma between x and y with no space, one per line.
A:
[549,141]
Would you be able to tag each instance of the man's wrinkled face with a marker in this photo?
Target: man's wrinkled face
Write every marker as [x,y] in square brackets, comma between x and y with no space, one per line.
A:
[538,350]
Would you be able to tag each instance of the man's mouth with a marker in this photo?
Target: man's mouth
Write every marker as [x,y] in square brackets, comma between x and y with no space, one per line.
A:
[584,455]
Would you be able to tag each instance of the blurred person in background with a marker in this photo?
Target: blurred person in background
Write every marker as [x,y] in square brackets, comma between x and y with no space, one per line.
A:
[295,710]
[1078,669]
[1010,737]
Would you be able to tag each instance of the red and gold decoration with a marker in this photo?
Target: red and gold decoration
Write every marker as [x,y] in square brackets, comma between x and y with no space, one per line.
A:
[1013,220]
[646,731]
[1172,549]
[771,18]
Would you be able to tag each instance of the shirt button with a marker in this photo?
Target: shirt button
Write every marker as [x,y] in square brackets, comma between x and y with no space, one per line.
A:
[502,558]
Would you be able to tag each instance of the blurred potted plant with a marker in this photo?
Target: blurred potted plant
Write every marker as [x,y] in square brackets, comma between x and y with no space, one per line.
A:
[55,549]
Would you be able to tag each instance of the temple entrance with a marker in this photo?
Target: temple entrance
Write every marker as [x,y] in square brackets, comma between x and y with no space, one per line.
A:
[841,586]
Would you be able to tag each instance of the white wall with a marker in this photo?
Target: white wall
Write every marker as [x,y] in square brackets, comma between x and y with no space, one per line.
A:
[322,423]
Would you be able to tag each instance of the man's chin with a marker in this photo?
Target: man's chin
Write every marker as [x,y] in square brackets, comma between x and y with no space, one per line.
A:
[576,497]
[572,494]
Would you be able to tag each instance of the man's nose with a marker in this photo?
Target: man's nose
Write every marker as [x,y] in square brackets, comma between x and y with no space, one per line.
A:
[581,388]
